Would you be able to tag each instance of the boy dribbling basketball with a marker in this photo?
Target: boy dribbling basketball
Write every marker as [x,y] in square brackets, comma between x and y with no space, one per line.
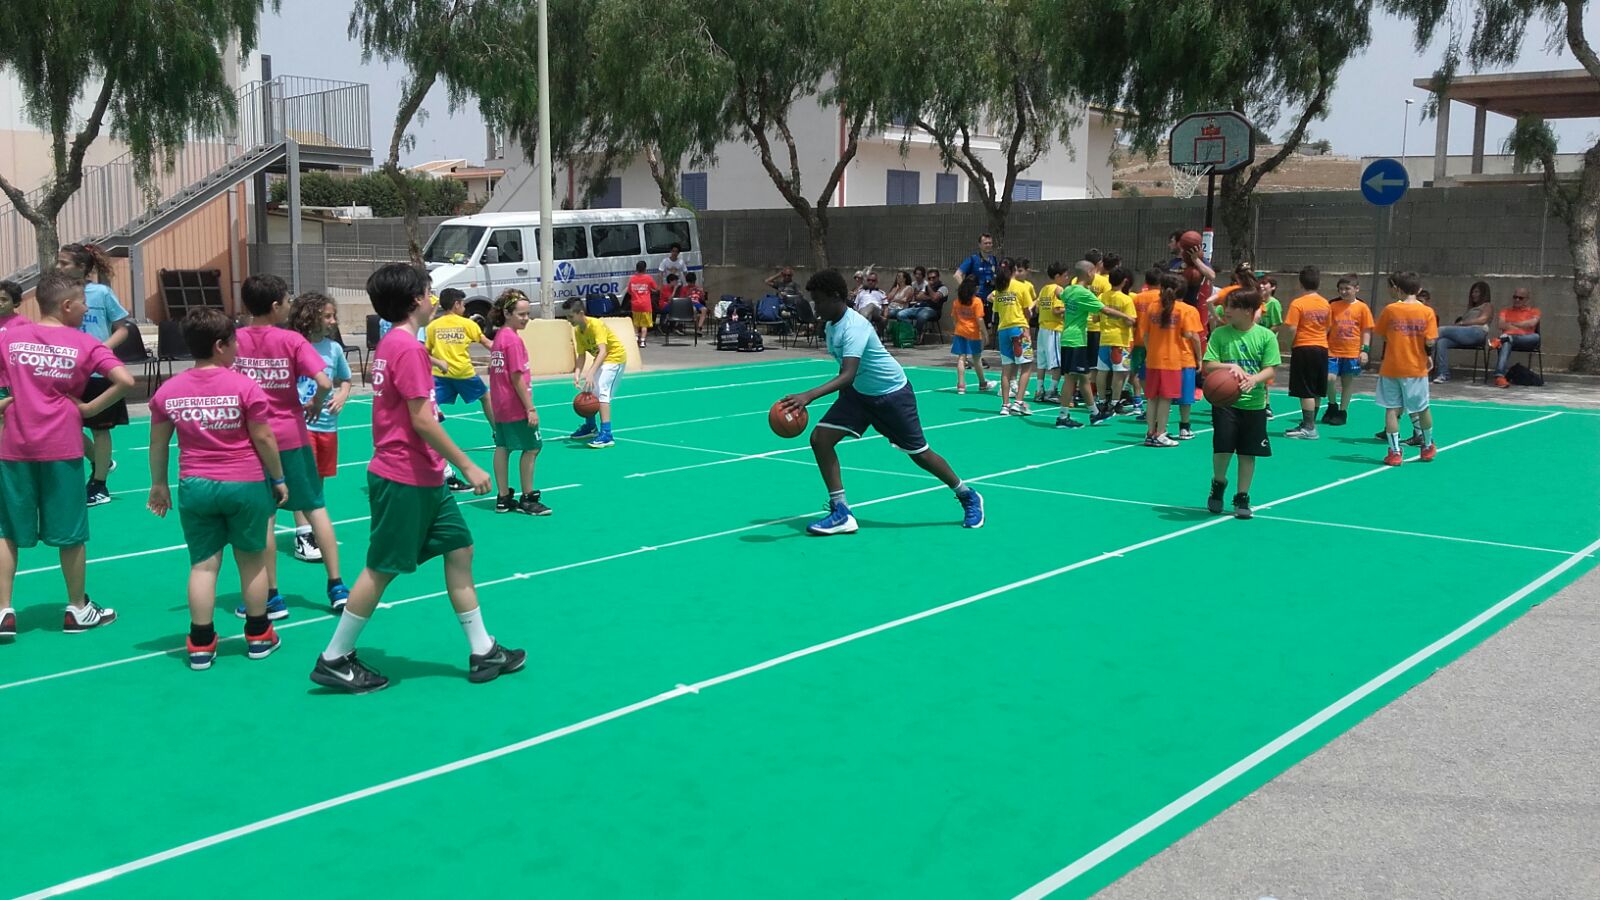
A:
[1251,352]
[873,392]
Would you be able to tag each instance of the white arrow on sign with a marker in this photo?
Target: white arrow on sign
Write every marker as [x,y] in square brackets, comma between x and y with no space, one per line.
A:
[1380,184]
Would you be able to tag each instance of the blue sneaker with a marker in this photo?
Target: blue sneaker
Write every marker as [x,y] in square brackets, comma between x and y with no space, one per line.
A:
[601,441]
[971,509]
[277,608]
[338,596]
[837,521]
[588,430]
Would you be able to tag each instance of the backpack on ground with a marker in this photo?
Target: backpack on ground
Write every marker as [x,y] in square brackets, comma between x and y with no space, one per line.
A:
[1523,376]
[739,334]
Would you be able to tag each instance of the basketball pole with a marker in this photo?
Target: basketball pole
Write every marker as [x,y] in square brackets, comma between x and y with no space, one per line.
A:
[1208,239]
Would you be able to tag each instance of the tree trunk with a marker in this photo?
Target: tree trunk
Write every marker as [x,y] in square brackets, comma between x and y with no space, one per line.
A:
[46,237]
[409,104]
[1583,231]
[997,222]
[665,176]
[817,233]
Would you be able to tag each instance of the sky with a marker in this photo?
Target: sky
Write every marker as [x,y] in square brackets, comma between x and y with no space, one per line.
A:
[308,37]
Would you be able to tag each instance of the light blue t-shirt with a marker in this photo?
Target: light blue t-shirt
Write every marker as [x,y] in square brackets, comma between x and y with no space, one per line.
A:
[101,311]
[337,368]
[852,336]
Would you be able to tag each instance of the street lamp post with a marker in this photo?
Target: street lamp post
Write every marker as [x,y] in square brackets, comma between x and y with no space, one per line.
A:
[1405,124]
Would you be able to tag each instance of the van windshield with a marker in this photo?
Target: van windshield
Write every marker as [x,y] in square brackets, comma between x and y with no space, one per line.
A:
[453,244]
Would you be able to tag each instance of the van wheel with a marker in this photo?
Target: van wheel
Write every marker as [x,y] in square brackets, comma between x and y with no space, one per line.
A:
[478,312]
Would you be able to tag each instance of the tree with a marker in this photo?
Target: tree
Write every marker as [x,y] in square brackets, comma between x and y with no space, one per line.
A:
[1488,33]
[435,196]
[155,69]
[1146,59]
[457,42]
[978,68]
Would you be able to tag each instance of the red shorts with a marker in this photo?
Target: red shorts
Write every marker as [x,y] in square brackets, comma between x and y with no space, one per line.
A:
[1164,383]
[325,446]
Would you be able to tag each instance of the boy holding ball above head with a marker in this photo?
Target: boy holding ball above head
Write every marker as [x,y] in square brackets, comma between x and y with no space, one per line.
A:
[414,517]
[1307,324]
[516,421]
[46,365]
[225,444]
[601,376]
[873,392]
[1249,352]
[276,359]
[1408,329]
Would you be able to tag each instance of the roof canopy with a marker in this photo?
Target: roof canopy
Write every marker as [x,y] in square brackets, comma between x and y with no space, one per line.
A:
[1567,94]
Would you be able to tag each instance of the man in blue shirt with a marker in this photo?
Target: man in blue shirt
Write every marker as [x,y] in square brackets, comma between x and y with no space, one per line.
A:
[873,391]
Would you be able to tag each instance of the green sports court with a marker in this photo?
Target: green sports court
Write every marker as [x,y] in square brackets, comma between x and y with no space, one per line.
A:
[718,706]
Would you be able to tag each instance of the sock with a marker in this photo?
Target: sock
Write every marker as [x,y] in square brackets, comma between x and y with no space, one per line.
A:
[1416,423]
[1394,440]
[1427,437]
[272,591]
[254,625]
[1308,419]
[344,636]
[836,498]
[961,489]
[589,421]
[302,530]
[477,635]
[202,635]
[334,582]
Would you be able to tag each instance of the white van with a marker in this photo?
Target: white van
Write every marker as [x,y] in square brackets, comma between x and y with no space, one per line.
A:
[595,252]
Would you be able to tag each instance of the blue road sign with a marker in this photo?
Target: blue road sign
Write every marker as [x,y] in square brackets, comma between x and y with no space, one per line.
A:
[1384,182]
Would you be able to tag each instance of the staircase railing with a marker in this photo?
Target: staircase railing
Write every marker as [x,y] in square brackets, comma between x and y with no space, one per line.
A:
[316,112]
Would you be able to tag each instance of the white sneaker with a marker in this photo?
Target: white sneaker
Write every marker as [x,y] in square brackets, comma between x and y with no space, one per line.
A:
[90,615]
[1165,440]
[1005,409]
[306,549]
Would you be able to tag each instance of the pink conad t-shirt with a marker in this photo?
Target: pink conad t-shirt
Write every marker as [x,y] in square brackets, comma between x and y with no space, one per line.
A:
[211,409]
[47,368]
[508,359]
[275,358]
[402,371]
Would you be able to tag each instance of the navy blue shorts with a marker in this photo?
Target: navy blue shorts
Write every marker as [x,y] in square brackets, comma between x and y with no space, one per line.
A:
[1077,360]
[447,390]
[893,415]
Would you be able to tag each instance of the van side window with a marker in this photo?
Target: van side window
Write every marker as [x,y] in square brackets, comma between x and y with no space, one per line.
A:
[660,236]
[509,242]
[615,240]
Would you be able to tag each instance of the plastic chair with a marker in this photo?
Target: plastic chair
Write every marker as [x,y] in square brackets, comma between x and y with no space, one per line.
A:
[133,352]
[170,348]
[680,311]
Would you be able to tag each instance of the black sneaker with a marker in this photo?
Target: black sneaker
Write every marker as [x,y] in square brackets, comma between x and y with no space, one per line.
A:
[97,494]
[1067,422]
[348,675]
[1381,436]
[456,485]
[498,661]
[1241,506]
[1414,441]
[1214,502]
[1100,417]
[1330,416]
[530,504]
[504,503]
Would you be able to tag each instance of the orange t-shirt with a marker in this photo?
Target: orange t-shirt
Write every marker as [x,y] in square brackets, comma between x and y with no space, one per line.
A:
[1308,316]
[1348,322]
[1513,317]
[1166,347]
[967,318]
[1142,302]
[1406,327]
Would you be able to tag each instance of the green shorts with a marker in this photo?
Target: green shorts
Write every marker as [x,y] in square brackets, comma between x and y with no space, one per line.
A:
[215,514]
[518,435]
[300,475]
[44,501]
[411,525]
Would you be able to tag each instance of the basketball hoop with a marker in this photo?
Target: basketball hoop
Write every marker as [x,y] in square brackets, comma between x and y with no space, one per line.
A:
[1186,178]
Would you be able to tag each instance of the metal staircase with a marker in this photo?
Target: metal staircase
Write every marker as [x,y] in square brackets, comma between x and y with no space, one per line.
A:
[322,124]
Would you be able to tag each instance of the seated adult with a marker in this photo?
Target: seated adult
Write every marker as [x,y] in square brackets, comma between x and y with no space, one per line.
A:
[1470,331]
[928,302]
[1517,325]
[783,282]
[870,302]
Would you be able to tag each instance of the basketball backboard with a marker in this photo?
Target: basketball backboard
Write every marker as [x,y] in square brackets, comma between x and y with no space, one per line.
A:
[1221,140]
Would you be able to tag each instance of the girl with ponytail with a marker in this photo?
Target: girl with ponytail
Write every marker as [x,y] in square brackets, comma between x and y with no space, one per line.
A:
[512,413]
[1166,374]
[107,321]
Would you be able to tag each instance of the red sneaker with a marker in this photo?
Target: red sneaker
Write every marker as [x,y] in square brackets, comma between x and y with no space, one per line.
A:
[1429,452]
[1393,458]
[200,658]
[8,624]
[1500,381]
[260,646]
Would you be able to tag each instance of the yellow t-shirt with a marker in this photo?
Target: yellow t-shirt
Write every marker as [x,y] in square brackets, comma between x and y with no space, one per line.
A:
[450,337]
[594,335]
[1026,292]
[1115,332]
[1050,308]
[1009,310]
[1097,286]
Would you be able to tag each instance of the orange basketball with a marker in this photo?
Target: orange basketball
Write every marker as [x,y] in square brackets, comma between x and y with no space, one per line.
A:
[785,423]
[1190,239]
[1222,387]
[586,404]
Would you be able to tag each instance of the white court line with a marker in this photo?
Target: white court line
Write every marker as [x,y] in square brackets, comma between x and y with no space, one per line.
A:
[280,530]
[232,834]
[1165,814]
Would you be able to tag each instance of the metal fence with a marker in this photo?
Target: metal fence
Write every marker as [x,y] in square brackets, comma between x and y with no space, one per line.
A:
[313,111]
